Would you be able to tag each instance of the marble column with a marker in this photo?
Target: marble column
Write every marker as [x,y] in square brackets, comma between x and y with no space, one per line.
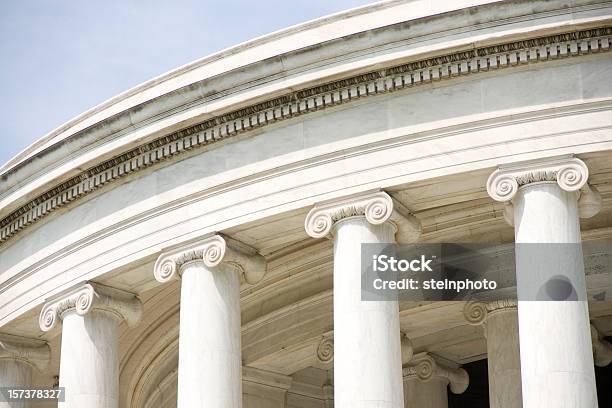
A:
[426,382]
[19,357]
[500,321]
[210,363]
[548,196]
[367,351]
[89,361]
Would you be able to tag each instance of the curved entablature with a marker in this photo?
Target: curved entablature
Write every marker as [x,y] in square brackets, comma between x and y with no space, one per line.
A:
[398,122]
[298,37]
[419,103]
[27,200]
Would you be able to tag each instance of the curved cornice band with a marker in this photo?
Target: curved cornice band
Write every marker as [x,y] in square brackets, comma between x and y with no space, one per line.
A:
[405,76]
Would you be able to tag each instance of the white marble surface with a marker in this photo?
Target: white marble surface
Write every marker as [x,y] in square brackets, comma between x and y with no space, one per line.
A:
[539,109]
[367,353]
[555,340]
[15,374]
[209,370]
[89,365]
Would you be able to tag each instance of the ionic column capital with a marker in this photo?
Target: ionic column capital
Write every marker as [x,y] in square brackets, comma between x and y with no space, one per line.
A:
[424,367]
[570,173]
[91,296]
[476,313]
[30,351]
[377,208]
[213,251]
[602,349]
[325,350]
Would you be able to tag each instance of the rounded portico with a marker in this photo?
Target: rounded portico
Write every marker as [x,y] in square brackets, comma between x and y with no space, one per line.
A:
[201,228]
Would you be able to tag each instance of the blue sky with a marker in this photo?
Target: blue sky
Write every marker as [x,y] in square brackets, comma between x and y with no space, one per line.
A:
[62,57]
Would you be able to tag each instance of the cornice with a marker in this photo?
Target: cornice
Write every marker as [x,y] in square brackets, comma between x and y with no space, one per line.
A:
[213,251]
[377,208]
[31,351]
[291,105]
[88,297]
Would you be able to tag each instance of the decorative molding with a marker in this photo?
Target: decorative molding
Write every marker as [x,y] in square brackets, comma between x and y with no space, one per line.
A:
[92,296]
[377,208]
[602,349]
[213,251]
[476,312]
[470,62]
[424,367]
[325,350]
[31,351]
[570,174]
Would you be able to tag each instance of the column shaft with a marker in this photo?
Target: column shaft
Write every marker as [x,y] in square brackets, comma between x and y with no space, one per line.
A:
[89,366]
[426,394]
[367,357]
[209,342]
[555,343]
[503,358]
[15,374]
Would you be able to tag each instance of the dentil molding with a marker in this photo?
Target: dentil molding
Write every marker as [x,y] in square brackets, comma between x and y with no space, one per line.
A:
[377,208]
[213,251]
[424,367]
[570,173]
[30,351]
[406,76]
[88,297]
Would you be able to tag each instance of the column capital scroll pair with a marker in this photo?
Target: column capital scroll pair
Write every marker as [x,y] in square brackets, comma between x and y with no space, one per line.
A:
[476,312]
[33,352]
[377,208]
[425,367]
[213,251]
[91,296]
[570,173]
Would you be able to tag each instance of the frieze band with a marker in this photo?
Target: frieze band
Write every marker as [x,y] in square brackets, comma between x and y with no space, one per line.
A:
[482,59]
